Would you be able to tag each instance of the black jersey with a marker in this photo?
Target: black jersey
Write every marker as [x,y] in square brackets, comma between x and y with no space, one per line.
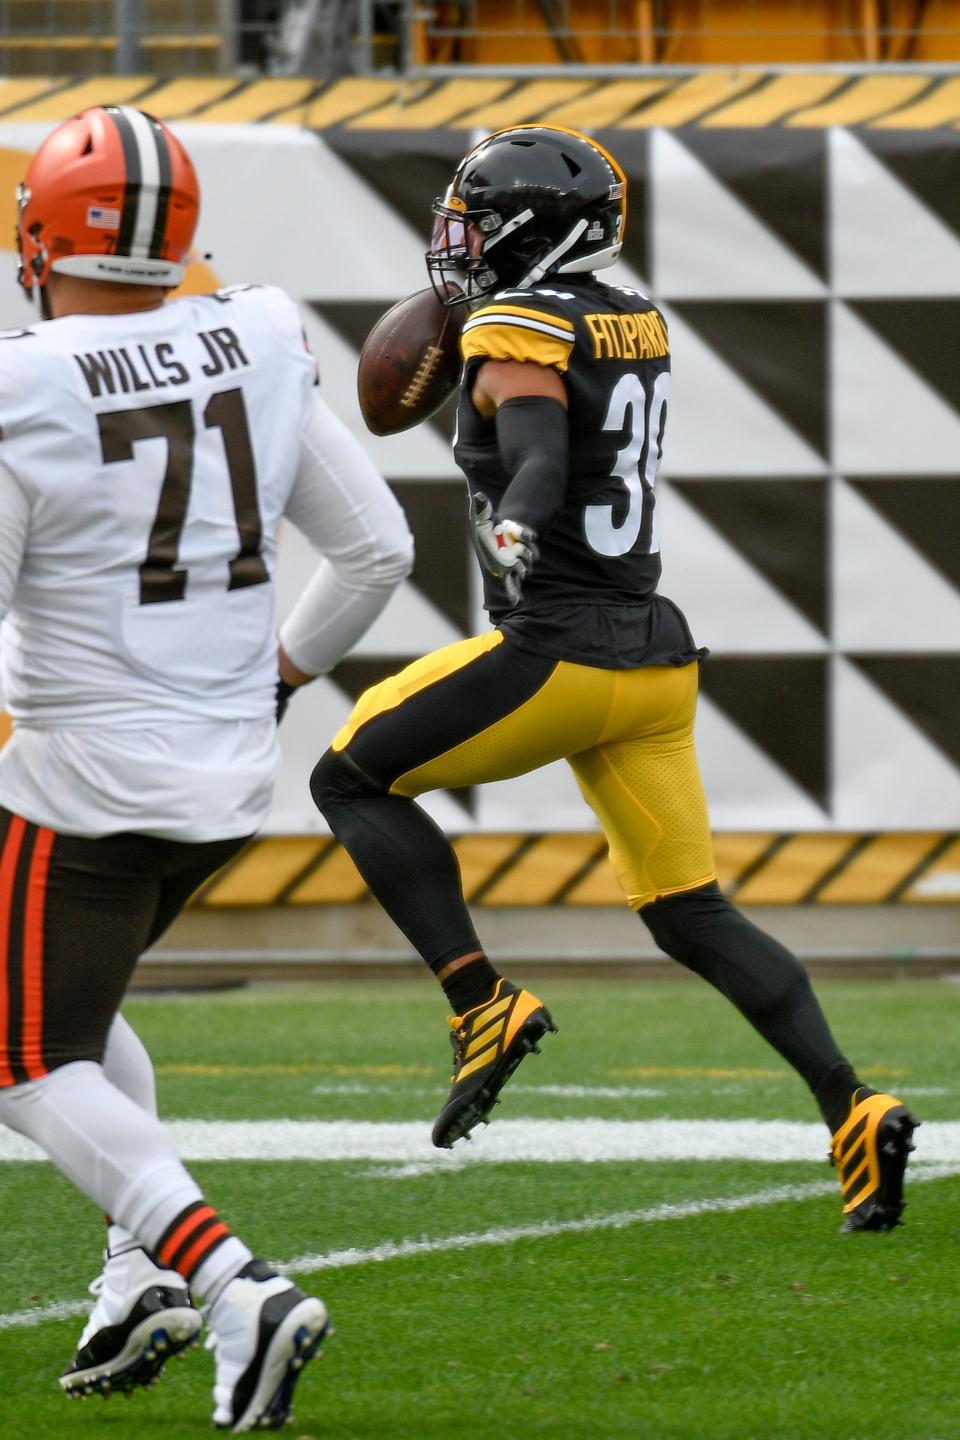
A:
[591,597]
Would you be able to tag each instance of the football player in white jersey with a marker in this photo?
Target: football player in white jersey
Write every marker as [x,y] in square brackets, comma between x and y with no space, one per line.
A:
[148,450]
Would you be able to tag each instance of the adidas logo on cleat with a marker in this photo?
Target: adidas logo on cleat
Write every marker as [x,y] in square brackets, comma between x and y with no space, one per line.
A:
[870,1152]
[489,1042]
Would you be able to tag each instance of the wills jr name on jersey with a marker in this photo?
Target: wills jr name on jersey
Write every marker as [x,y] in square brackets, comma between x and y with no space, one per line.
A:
[131,369]
[183,426]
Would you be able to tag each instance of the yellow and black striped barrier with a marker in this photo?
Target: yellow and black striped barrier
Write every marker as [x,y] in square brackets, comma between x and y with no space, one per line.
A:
[572,870]
[735,98]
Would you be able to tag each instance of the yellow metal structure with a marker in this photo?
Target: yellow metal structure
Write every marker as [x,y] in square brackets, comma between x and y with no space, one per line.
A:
[687,32]
[565,870]
[741,99]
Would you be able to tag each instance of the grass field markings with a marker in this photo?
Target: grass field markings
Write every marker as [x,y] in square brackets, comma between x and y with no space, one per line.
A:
[312,1264]
[579,1141]
[412,1171]
[591,1092]
[58,1310]
[639,1072]
[743,1072]
[357,1087]
[546,1229]
[217,1072]
[563,1092]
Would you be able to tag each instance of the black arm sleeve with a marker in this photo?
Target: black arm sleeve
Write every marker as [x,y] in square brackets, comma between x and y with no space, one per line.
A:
[534,446]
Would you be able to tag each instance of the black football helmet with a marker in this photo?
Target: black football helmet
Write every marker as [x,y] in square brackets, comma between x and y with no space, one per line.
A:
[531,201]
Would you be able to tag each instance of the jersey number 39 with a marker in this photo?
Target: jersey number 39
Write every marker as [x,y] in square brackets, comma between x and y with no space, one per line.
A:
[643,418]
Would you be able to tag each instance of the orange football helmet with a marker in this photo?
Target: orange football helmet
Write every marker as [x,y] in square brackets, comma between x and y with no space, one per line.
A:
[110,195]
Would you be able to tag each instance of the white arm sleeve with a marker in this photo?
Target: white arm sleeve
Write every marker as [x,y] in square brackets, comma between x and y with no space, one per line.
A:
[342,504]
[14,524]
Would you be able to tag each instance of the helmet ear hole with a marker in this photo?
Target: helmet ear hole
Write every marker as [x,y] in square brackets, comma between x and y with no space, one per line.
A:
[559,200]
[111,194]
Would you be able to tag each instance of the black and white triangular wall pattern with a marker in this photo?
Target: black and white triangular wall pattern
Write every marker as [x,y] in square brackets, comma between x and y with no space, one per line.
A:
[780,703]
[706,242]
[424,451]
[926,509]
[720,424]
[754,516]
[747,789]
[408,170]
[778,348]
[890,773]
[924,333]
[354,322]
[925,688]
[731,605]
[808,506]
[444,560]
[889,591]
[886,239]
[780,175]
[887,418]
[925,162]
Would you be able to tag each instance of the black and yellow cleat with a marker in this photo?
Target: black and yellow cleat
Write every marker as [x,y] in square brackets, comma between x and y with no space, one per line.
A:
[870,1152]
[488,1044]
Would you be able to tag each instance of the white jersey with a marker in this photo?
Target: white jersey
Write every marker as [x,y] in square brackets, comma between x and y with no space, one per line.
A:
[155,453]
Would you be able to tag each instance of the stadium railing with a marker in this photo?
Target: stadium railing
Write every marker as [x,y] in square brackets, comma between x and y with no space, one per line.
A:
[328,38]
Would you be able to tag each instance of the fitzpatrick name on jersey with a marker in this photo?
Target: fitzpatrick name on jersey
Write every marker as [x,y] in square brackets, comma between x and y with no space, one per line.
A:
[591,596]
[638,335]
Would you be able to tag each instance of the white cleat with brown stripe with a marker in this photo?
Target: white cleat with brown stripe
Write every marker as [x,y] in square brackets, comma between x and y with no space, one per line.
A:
[489,1042]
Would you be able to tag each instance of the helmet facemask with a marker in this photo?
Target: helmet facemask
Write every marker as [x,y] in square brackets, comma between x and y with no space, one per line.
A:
[457,252]
[524,204]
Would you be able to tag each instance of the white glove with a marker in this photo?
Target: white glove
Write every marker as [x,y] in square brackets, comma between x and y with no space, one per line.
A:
[506,549]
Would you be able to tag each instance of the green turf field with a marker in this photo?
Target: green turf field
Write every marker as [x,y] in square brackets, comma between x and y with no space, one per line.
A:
[647,1298]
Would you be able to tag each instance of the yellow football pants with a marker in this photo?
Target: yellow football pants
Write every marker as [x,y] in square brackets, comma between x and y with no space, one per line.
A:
[483,710]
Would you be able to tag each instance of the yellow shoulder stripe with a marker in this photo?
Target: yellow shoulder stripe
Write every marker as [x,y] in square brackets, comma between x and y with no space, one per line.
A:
[495,341]
[524,312]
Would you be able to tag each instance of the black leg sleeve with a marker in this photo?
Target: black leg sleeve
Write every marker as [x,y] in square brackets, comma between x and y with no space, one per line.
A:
[766,983]
[402,855]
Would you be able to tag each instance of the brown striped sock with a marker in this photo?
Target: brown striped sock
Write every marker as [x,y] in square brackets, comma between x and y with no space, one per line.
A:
[191,1239]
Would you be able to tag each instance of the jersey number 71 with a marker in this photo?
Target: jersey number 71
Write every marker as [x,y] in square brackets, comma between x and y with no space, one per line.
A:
[120,430]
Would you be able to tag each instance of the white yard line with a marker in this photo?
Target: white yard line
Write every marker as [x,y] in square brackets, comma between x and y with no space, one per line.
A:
[543,1229]
[59,1310]
[312,1264]
[507,1141]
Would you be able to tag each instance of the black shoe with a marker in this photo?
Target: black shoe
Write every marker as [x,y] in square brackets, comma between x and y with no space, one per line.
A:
[143,1315]
[870,1152]
[264,1331]
[488,1044]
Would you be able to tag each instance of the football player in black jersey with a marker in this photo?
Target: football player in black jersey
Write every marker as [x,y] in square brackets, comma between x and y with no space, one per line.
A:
[560,427]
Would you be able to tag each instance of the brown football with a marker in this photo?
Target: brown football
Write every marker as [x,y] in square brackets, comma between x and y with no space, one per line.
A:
[410,362]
